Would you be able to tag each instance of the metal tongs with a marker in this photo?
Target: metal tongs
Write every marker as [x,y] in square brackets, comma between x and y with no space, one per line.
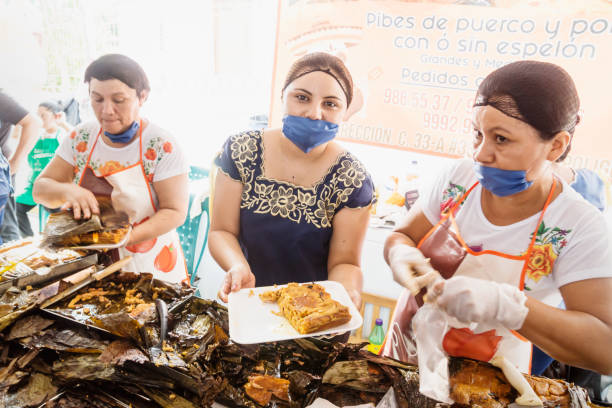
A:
[157,351]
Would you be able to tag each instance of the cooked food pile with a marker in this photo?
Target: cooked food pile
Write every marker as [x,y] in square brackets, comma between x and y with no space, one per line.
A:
[308,307]
[24,257]
[110,237]
[101,346]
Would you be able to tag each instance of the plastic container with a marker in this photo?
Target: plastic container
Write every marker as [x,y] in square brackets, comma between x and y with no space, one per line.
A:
[376,337]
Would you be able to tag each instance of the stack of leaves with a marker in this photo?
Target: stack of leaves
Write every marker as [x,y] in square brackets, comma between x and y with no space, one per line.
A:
[58,359]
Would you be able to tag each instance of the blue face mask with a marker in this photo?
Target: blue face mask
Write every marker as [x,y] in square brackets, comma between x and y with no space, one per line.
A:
[125,136]
[500,182]
[307,133]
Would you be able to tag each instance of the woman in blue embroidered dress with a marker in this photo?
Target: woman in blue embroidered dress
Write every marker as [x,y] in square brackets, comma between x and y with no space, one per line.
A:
[292,205]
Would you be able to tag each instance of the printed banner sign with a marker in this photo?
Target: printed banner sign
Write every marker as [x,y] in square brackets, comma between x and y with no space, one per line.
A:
[417,65]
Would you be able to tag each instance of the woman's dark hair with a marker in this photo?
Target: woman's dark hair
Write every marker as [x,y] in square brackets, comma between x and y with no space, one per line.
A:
[324,62]
[540,94]
[54,107]
[118,66]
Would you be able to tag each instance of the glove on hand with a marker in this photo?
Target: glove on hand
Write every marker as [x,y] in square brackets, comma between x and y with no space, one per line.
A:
[480,301]
[410,268]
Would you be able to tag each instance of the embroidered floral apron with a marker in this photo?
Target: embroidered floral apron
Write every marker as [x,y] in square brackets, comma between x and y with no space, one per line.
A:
[450,255]
[129,191]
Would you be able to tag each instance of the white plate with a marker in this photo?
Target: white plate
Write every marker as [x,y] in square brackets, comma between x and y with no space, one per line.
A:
[252,321]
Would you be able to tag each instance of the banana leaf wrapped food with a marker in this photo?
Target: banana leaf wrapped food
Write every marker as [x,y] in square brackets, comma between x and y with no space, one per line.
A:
[123,304]
[202,366]
[108,228]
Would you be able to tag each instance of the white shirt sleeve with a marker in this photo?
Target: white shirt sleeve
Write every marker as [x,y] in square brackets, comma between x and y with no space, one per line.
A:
[172,161]
[589,254]
[66,148]
[430,199]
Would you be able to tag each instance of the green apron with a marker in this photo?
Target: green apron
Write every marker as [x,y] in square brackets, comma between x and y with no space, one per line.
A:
[40,155]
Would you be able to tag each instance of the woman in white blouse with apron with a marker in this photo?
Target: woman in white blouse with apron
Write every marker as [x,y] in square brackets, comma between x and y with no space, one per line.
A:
[510,238]
[124,156]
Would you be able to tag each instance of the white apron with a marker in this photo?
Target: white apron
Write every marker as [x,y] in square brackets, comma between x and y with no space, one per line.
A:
[130,192]
[450,255]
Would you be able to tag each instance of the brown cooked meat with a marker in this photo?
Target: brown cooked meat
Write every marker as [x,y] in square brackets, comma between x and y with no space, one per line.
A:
[308,307]
[107,237]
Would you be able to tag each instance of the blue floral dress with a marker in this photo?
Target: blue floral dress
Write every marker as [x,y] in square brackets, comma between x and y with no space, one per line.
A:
[285,230]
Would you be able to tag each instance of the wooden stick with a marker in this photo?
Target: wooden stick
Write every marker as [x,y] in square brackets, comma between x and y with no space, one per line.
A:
[94,277]
[112,268]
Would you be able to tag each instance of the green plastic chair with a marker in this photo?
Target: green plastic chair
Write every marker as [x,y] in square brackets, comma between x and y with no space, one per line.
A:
[191,230]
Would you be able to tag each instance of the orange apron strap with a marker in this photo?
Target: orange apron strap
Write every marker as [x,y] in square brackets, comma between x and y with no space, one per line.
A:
[96,142]
[449,212]
[535,233]
[465,195]
[89,155]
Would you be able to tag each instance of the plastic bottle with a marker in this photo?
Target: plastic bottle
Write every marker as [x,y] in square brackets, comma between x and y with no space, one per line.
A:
[376,337]
[409,186]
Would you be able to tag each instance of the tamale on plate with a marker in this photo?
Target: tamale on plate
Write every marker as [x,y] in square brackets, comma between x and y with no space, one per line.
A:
[308,307]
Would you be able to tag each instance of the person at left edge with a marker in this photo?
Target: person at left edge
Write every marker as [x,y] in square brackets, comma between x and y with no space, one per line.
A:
[127,157]
[54,129]
[14,118]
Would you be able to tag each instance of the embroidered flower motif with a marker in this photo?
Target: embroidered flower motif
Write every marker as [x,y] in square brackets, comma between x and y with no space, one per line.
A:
[344,195]
[150,177]
[244,148]
[282,201]
[110,167]
[446,205]
[167,147]
[262,189]
[306,198]
[541,262]
[546,249]
[325,213]
[81,147]
[73,134]
[351,174]
[450,196]
[315,206]
[151,154]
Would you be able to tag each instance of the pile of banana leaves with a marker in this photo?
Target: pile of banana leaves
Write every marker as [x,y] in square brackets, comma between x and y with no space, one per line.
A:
[49,361]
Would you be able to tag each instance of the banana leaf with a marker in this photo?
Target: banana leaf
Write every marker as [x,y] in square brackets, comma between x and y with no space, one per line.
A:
[62,224]
[167,399]
[13,303]
[120,351]
[358,375]
[28,326]
[71,340]
[100,395]
[37,390]
[83,367]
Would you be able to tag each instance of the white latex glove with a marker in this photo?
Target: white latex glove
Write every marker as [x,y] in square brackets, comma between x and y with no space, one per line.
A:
[410,268]
[472,300]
